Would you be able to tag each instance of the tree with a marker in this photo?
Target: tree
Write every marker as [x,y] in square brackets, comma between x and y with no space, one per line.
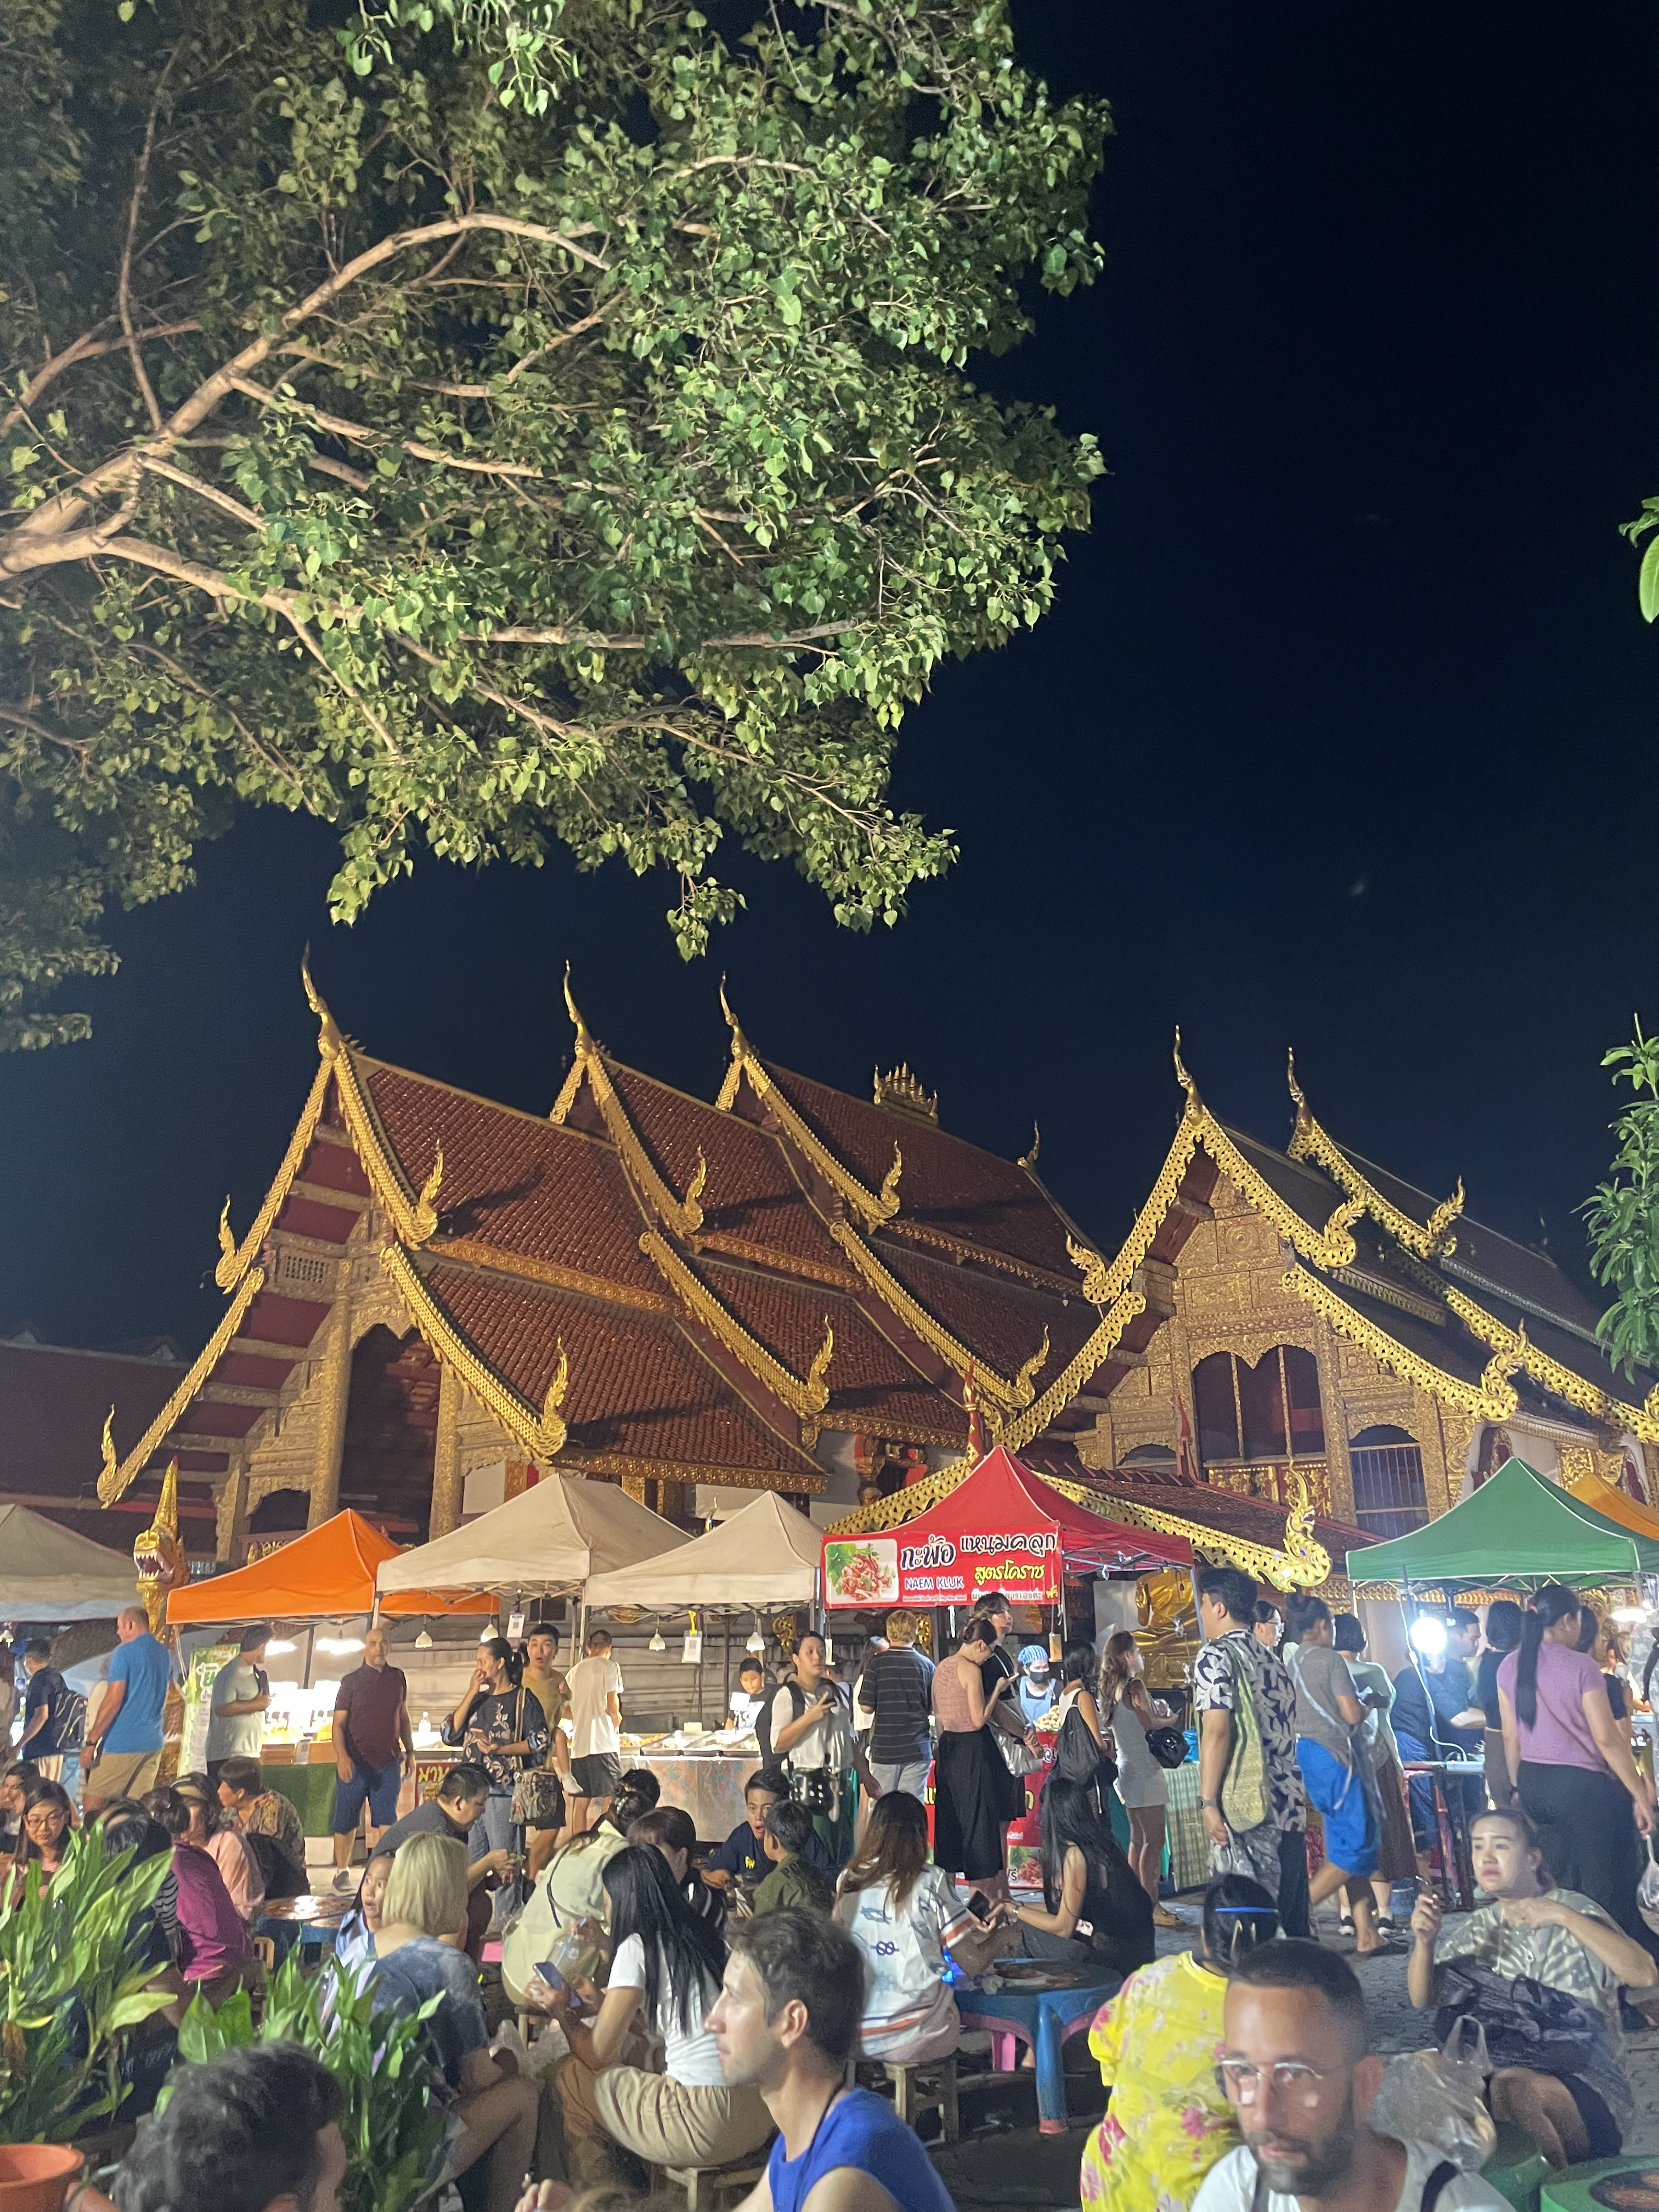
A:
[485,423]
[1624,1214]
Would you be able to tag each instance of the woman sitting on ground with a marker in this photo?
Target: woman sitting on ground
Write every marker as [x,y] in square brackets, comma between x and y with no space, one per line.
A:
[666,1962]
[229,1850]
[354,1946]
[417,1956]
[214,1952]
[1170,2121]
[1085,1877]
[571,1886]
[904,1915]
[1555,1936]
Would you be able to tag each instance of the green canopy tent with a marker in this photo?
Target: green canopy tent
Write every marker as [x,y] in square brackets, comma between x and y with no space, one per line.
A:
[1517,1529]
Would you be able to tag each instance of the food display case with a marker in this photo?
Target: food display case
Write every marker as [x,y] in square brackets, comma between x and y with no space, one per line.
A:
[703,1770]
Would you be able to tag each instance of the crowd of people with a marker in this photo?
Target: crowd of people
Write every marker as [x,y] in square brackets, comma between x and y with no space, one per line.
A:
[715,1987]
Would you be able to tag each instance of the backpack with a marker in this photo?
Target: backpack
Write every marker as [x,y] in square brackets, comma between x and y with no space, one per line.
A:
[282,1878]
[1245,1802]
[68,1718]
[763,1718]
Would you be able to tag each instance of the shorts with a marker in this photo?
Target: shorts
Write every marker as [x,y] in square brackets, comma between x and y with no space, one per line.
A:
[596,1776]
[115,1774]
[378,1786]
[1605,2140]
[1354,1840]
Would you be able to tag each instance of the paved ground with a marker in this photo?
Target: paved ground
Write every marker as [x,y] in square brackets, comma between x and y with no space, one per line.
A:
[1004,2160]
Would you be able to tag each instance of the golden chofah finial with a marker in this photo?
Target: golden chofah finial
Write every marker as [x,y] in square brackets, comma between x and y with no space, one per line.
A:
[1297,1098]
[227,1239]
[890,1189]
[551,1430]
[1029,1159]
[107,1469]
[329,1039]
[584,1040]
[740,1042]
[1096,1286]
[1181,1076]
[817,1374]
[690,1206]
[424,1220]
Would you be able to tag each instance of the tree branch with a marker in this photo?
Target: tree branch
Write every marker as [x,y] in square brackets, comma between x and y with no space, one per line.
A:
[124,286]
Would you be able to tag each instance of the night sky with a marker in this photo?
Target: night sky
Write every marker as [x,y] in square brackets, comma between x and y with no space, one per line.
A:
[1342,734]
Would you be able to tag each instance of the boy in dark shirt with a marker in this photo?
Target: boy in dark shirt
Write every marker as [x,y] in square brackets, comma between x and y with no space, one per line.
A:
[742,1855]
[794,1879]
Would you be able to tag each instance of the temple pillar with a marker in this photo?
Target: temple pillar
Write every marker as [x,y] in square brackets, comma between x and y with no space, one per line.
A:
[333,1388]
[231,1505]
[1334,1418]
[446,1454]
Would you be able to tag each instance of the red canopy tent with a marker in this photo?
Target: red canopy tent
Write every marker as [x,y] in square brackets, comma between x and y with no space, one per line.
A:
[1002,1528]
[324,1575]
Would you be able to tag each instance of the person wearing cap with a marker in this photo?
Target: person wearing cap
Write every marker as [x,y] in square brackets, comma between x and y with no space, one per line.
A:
[1036,1688]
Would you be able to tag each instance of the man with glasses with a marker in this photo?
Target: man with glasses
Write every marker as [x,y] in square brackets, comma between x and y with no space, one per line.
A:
[1296,2068]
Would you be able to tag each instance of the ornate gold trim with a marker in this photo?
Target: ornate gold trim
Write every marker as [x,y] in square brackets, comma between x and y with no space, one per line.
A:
[521,1420]
[550,1431]
[1102,1340]
[470,1252]
[1103,1282]
[1589,1396]
[871,1209]
[811,1479]
[916,1317]
[1312,1142]
[922,1232]
[803,1399]
[1025,1381]
[785,1263]
[235,1258]
[682,1215]
[902,1092]
[1493,1399]
[114,1481]
[414,1219]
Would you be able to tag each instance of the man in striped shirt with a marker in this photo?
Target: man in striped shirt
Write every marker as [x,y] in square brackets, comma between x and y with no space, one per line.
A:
[897,1685]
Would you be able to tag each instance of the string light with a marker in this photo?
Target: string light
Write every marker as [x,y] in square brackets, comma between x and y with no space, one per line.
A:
[659,1641]
[756,1641]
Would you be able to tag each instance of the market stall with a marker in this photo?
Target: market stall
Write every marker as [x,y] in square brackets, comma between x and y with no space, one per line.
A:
[549,1539]
[766,1555]
[1517,1531]
[49,1574]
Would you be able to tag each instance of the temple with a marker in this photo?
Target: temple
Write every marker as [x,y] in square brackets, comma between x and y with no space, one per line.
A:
[797,1290]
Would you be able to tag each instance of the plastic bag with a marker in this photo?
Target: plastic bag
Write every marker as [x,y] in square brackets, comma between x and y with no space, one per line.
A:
[1647,1891]
[1435,2097]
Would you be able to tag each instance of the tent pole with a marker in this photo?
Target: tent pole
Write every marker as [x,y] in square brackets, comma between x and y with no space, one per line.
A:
[311,1641]
[726,1668]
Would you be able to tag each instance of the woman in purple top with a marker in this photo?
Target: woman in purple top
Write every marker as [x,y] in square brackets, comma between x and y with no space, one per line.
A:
[214,1952]
[1572,1760]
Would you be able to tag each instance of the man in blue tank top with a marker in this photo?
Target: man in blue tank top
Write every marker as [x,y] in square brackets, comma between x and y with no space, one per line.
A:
[786,2019]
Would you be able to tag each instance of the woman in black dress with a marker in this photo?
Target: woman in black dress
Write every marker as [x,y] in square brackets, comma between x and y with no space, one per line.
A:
[971,1782]
[1087,1883]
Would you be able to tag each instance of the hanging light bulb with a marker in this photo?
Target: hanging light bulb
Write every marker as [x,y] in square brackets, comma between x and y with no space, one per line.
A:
[756,1642]
[658,1643]
[423,1641]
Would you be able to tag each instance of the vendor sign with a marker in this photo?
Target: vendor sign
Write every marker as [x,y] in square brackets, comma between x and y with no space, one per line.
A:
[1001,1528]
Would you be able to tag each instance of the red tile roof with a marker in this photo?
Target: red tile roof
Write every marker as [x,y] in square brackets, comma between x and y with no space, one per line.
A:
[998,1320]
[637,1389]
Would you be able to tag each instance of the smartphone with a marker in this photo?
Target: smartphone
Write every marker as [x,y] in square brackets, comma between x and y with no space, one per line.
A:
[979,1905]
[550,1974]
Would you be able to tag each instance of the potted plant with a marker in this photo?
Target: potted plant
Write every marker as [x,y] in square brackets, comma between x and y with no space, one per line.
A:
[394,2131]
[73,1979]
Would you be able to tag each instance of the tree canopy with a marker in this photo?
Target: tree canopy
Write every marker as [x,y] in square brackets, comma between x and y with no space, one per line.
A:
[482,423]
[1623,1213]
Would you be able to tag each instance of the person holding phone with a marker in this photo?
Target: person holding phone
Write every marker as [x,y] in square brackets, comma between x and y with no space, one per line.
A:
[817,1746]
[499,1724]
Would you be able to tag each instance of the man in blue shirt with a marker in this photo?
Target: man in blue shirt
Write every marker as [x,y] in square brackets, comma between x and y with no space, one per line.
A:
[123,1737]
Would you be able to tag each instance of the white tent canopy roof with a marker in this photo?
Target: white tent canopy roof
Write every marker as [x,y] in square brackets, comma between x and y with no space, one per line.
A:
[550,1538]
[766,1554]
[49,1573]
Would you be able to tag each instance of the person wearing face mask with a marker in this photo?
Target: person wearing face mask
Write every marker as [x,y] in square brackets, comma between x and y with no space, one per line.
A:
[1296,2066]
[1564,1940]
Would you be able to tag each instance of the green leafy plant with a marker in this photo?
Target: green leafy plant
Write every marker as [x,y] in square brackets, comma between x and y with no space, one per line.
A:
[392,2128]
[73,1979]
[1623,1213]
[499,422]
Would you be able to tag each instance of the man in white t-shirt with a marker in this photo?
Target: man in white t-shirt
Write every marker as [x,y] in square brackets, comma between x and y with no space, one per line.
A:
[595,1685]
[1297,2070]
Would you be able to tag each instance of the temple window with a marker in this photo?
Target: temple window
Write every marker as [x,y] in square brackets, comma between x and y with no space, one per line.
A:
[1243,1407]
[1388,1497]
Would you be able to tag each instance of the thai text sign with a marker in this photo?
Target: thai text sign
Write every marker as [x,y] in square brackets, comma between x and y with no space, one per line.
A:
[941,1570]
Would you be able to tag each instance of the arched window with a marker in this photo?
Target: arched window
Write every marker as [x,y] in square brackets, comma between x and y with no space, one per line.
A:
[1270,1411]
[1388,1497]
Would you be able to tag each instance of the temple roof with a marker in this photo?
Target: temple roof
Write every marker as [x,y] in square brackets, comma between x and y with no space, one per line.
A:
[54,1402]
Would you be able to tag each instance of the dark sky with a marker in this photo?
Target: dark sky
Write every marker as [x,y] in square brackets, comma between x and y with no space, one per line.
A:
[1342,734]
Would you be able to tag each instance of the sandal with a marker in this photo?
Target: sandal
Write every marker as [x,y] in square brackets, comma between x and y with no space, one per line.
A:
[1163,1918]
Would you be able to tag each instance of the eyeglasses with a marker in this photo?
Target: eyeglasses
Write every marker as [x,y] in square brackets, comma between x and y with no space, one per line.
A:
[1297,2084]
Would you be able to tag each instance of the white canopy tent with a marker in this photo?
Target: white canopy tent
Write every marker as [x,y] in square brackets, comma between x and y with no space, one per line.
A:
[549,1539]
[766,1554]
[50,1574]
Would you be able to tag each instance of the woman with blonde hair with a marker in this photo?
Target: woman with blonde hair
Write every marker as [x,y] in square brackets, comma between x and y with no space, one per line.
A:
[418,1956]
[1126,1706]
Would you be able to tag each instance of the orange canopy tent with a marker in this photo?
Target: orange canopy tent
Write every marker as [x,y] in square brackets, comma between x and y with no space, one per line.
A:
[1616,1503]
[325,1573]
